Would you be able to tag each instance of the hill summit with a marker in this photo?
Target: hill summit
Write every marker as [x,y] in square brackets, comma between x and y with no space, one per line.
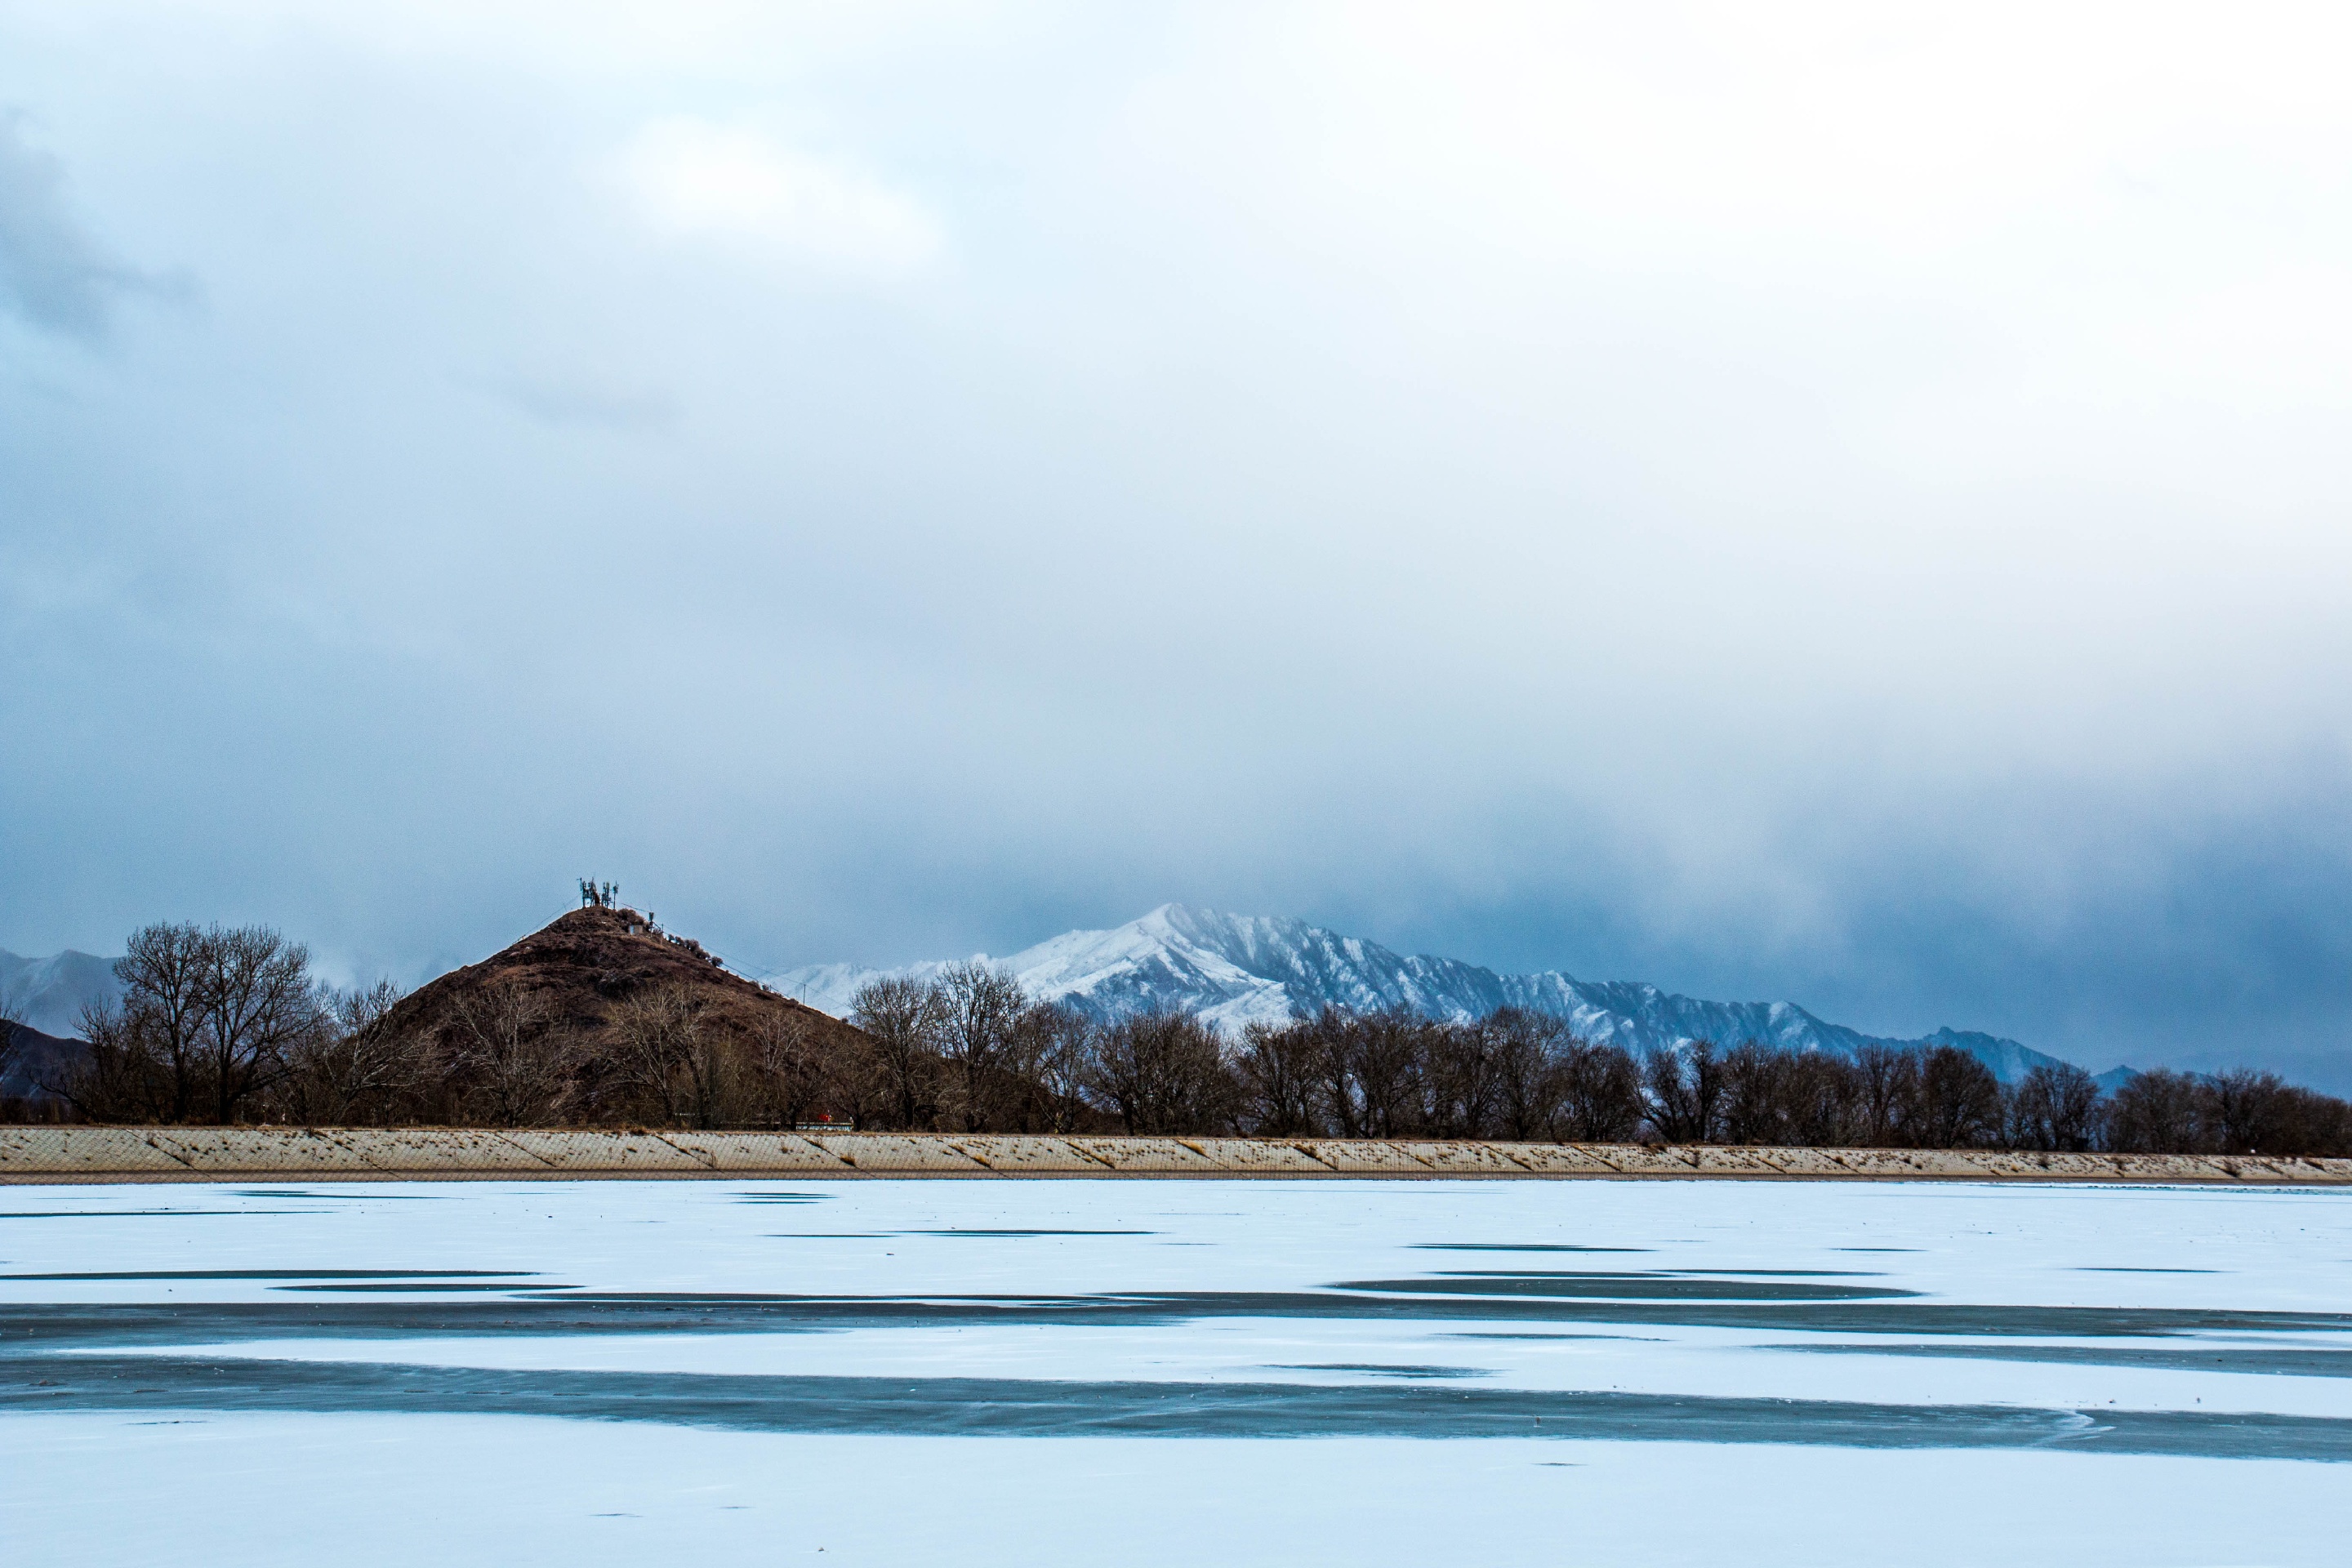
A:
[577,973]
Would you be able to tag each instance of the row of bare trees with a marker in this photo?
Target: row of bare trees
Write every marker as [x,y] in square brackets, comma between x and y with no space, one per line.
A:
[1522,1075]
[2241,1112]
[216,1022]
[224,1025]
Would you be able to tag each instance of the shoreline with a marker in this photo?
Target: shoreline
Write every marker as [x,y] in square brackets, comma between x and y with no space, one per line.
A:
[48,1156]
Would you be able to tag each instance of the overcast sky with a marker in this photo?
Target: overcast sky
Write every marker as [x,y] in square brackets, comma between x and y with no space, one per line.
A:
[1845,504]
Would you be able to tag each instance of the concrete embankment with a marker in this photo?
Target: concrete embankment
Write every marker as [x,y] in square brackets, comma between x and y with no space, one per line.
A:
[442,1154]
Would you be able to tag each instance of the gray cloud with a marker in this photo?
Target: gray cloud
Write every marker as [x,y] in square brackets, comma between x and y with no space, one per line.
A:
[52,274]
[1484,486]
[565,400]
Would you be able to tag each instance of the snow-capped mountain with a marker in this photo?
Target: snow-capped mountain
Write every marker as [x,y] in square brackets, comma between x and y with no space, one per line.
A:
[1234,970]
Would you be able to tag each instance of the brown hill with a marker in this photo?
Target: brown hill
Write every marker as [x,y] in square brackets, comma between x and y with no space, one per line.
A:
[632,1021]
[32,1060]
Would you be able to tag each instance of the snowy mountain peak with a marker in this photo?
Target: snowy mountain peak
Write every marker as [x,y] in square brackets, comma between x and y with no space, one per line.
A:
[1236,970]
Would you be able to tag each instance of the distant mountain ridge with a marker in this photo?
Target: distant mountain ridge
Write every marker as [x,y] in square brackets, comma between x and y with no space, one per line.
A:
[54,990]
[1236,970]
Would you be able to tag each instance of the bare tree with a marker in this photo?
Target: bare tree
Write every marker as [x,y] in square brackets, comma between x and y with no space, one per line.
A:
[512,1062]
[1755,1082]
[121,1079]
[1371,1071]
[209,1018]
[1461,1078]
[674,1053]
[259,1007]
[1686,1091]
[1165,1072]
[1280,1072]
[1048,1071]
[1958,1104]
[1600,1093]
[1338,1034]
[357,1069]
[1820,1100]
[788,1071]
[1888,1077]
[2242,1110]
[2154,1113]
[1065,1067]
[1527,1051]
[979,1009]
[159,1034]
[902,1018]
[2313,1123]
[12,1019]
[2054,1106]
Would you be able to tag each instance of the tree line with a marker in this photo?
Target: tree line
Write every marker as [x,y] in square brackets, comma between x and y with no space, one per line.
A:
[1526,1076]
[219,1025]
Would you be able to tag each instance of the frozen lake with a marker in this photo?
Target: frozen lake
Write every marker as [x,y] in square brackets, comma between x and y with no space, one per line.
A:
[1197,1372]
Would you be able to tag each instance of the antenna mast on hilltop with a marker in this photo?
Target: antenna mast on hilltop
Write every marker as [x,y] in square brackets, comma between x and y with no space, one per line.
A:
[595,894]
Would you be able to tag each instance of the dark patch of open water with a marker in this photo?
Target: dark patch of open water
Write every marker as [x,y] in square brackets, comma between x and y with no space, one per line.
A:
[429,1285]
[1664,1287]
[287,1274]
[1383,1369]
[2289,1361]
[999,1234]
[1516,1247]
[1009,1408]
[100,1325]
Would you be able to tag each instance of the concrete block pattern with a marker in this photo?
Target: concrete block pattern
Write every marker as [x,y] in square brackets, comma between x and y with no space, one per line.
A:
[2302,1168]
[1023,1154]
[1913,1163]
[1364,1157]
[1560,1158]
[2280,1168]
[2216,1168]
[438,1152]
[1257,1157]
[252,1150]
[184,1154]
[1641,1160]
[1802,1162]
[1712,1160]
[753,1152]
[600,1152]
[1157,1156]
[2039,1165]
[1457,1157]
[899,1153]
[83,1151]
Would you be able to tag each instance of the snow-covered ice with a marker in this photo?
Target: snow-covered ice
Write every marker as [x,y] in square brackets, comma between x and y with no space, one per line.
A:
[1042,1371]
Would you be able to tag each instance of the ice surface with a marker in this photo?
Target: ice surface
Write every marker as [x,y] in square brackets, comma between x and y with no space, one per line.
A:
[1141,1373]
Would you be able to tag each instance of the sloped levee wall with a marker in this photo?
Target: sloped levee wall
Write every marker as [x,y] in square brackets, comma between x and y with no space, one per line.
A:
[441,1154]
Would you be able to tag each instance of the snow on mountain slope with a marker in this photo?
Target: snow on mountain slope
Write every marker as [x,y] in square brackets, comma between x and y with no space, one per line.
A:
[53,991]
[1234,970]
